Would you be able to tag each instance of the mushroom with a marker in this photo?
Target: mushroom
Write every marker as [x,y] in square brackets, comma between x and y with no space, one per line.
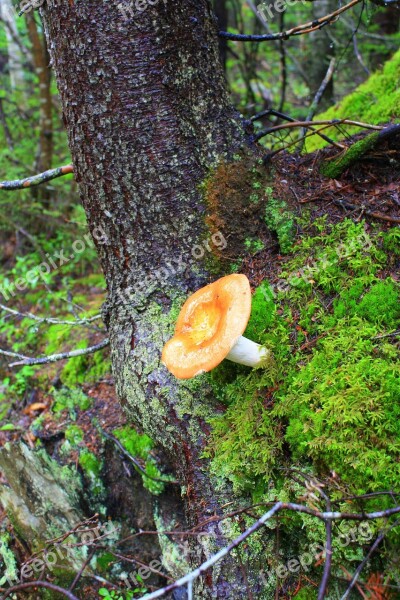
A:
[209,328]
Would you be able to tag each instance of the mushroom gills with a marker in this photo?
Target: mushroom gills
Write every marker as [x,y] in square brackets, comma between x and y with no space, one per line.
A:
[246,352]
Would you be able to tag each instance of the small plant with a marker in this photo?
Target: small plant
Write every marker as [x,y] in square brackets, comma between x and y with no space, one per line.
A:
[74,435]
[120,595]
[279,219]
[254,245]
[70,400]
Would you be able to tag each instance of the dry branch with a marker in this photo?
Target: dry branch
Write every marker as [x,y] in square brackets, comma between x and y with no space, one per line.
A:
[298,30]
[20,184]
[26,360]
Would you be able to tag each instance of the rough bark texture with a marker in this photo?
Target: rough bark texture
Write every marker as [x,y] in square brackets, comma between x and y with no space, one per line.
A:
[148,115]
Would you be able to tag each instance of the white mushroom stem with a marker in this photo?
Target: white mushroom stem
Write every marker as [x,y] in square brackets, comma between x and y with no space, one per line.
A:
[246,352]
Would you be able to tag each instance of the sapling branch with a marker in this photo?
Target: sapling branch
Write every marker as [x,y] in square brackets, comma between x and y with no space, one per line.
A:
[298,30]
[50,320]
[20,184]
[26,360]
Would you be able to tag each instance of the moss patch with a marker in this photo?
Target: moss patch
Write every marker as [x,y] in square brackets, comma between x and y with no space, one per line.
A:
[140,446]
[334,168]
[331,397]
[375,101]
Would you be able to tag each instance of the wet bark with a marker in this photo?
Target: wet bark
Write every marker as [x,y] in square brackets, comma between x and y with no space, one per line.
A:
[148,115]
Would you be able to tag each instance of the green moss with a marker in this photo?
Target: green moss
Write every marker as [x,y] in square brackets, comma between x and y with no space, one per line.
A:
[333,168]
[375,101]
[70,400]
[253,245]
[91,467]
[262,312]
[86,368]
[8,559]
[381,304]
[280,220]
[342,410]
[329,403]
[331,396]
[140,446]
[74,435]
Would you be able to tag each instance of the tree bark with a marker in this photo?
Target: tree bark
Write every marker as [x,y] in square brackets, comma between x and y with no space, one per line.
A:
[147,115]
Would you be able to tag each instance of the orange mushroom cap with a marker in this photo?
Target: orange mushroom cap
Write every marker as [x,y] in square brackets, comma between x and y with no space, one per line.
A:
[209,325]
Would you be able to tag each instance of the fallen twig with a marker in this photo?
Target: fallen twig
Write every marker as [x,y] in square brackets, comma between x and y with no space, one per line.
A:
[370,213]
[43,584]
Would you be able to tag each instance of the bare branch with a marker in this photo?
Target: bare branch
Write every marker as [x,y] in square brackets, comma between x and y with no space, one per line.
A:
[50,320]
[26,360]
[43,584]
[327,516]
[20,184]
[333,122]
[369,213]
[281,115]
[321,89]
[298,30]
[366,559]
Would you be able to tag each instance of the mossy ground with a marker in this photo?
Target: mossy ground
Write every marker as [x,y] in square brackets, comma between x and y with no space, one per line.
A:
[375,101]
[329,404]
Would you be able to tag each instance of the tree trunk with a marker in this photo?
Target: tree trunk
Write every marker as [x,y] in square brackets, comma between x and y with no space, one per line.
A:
[321,50]
[41,65]
[15,58]
[147,115]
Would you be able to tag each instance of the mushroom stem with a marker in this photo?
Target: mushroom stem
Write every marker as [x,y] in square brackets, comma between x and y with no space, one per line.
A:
[246,352]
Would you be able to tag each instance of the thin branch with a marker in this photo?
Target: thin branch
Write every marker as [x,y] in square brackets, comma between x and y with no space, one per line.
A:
[13,354]
[81,570]
[281,115]
[20,184]
[328,552]
[324,516]
[369,213]
[298,30]
[270,155]
[49,319]
[44,584]
[360,567]
[333,123]
[385,335]
[26,360]
[140,563]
